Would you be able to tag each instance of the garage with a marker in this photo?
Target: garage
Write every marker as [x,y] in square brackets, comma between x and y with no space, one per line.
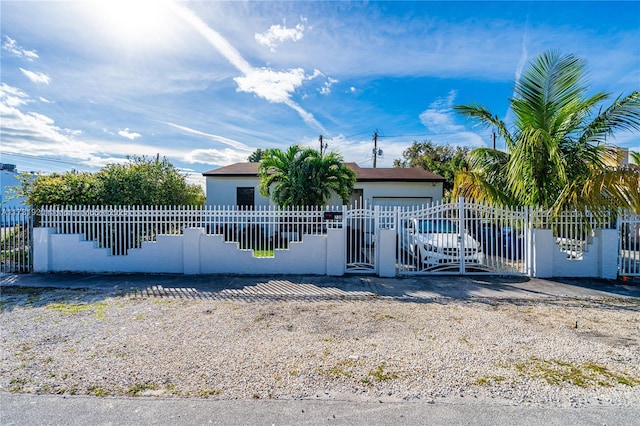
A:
[401,201]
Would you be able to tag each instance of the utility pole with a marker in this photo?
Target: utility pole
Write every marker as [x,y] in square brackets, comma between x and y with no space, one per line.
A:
[323,146]
[375,148]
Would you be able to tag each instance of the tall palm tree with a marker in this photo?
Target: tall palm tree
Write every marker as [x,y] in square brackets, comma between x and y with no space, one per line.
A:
[302,177]
[557,155]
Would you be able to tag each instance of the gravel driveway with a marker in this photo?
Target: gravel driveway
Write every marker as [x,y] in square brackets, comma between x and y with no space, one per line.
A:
[553,352]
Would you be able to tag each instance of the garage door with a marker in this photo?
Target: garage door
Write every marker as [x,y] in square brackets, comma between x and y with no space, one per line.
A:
[401,201]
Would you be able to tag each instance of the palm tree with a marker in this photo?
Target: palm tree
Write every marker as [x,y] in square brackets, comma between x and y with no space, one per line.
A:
[557,155]
[302,177]
[635,157]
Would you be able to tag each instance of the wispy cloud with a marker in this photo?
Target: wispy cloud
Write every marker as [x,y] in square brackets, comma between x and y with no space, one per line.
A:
[11,46]
[279,33]
[326,87]
[12,97]
[440,120]
[273,86]
[129,135]
[216,138]
[36,77]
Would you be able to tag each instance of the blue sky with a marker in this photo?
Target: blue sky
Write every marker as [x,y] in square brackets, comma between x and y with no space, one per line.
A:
[206,83]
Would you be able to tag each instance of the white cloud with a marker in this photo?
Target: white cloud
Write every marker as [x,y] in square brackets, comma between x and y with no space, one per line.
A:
[274,86]
[220,157]
[45,100]
[11,46]
[440,120]
[12,96]
[439,117]
[326,87]
[216,138]
[129,135]
[36,77]
[279,33]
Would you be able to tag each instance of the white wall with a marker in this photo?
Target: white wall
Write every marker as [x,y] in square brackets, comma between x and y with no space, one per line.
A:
[222,191]
[194,252]
[600,259]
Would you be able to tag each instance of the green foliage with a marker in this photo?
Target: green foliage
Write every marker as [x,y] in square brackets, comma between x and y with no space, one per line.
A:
[256,156]
[140,181]
[71,188]
[635,157]
[557,155]
[442,160]
[304,177]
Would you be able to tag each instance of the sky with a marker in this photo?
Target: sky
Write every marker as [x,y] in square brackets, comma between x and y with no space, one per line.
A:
[87,83]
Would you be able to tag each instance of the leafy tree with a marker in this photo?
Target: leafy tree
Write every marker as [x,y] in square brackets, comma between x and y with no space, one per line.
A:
[302,177]
[256,156]
[140,181]
[556,155]
[71,188]
[144,181]
[635,157]
[439,159]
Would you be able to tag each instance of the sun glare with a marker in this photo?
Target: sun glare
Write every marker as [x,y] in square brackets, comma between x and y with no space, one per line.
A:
[134,21]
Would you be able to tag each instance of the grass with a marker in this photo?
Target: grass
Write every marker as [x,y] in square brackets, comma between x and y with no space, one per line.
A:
[585,375]
[263,253]
[139,389]
[76,308]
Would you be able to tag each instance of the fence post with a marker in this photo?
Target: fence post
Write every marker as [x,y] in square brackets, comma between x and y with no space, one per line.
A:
[462,233]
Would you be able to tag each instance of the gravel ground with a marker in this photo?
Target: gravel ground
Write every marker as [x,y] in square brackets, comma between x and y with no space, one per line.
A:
[553,352]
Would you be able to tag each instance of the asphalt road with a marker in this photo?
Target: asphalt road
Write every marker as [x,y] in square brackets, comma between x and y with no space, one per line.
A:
[66,410]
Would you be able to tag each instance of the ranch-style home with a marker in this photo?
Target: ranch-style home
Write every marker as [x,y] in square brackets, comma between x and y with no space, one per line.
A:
[237,185]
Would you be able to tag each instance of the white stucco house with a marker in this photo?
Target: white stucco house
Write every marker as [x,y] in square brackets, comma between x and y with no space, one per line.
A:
[237,185]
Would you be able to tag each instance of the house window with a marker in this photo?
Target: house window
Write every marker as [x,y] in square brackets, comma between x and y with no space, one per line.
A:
[245,197]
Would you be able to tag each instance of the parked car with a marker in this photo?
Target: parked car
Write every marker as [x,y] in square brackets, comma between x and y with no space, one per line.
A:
[503,241]
[437,241]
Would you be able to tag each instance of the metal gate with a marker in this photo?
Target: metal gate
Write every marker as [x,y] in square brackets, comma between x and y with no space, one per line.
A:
[629,245]
[16,248]
[463,238]
[360,224]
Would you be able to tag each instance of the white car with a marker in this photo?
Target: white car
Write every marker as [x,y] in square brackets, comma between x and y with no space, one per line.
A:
[437,241]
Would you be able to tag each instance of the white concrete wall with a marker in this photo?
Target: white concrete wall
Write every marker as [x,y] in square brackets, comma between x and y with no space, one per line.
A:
[191,253]
[599,261]
[195,252]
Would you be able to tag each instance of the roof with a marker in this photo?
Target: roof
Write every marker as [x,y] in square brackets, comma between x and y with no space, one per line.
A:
[382,174]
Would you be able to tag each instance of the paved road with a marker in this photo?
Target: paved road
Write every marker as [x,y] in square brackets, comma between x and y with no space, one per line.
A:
[82,411]
[323,287]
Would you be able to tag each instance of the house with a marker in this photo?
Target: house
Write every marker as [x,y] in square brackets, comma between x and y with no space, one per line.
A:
[237,185]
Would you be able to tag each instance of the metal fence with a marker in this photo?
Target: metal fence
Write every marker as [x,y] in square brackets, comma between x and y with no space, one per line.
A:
[629,245]
[123,228]
[499,232]
[16,249]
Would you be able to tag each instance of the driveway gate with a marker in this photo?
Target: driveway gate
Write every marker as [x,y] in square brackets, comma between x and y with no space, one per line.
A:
[16,249]
[461,238]
[361,224]
[629,241]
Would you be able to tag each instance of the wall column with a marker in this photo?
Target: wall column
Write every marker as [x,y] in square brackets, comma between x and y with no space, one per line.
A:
[41,248]
[191,250]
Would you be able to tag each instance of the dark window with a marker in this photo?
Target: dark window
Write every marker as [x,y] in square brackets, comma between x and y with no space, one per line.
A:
[245,197]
